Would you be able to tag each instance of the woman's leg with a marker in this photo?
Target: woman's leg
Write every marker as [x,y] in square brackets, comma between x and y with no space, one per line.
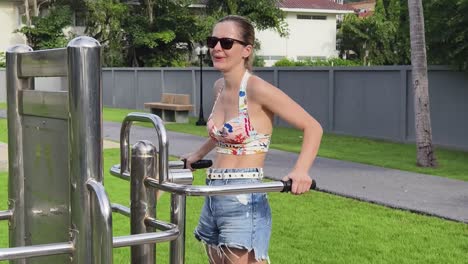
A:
[238,256]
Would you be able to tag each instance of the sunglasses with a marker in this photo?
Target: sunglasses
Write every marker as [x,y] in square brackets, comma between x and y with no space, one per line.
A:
[226,43]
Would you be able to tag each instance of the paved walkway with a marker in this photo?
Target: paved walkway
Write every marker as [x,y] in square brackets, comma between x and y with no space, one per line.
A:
[437,196]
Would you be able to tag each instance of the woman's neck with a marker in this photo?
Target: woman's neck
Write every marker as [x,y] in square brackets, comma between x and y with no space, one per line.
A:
[233,78]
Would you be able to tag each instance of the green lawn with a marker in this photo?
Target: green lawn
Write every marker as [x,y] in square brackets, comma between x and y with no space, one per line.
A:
[315,227]
[452,164]
[312,228]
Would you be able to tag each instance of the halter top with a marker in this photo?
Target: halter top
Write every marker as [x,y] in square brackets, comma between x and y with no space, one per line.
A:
[237,136]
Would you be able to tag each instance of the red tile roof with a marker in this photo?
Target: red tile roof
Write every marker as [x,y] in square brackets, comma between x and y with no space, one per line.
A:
[312,4]
[307,4]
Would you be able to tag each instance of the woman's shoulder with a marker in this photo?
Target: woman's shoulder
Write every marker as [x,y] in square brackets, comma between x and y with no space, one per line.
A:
[256,86]
[218,85]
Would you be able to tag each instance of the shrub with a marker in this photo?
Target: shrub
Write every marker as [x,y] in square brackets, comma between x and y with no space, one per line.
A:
[285,62]
[2,60]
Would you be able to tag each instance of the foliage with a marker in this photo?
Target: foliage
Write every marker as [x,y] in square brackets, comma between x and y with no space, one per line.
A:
[447,32]
[47,32]
[380,39]
[258,62]
[2,60]
[264,14]
[385,35]
[104,23]
[285,62]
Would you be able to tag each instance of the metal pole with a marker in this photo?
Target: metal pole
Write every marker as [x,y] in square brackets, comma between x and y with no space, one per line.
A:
[35,251]
[101,222]
[201,120]
[85,140]
[177,248]
[16,180]
[143,200]
[163,144]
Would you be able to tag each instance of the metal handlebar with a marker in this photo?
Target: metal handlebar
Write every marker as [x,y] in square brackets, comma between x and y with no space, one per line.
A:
[163,145]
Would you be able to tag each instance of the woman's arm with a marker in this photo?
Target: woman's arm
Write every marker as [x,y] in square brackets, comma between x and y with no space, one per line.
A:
[276,101]
[210,143]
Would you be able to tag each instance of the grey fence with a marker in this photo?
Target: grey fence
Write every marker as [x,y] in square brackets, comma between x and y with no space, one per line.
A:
[373,102]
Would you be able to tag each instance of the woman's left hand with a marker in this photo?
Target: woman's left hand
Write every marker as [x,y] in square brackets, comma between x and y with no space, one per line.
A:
[301,181]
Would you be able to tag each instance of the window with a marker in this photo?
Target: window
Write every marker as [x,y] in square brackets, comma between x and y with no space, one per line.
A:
[319,17]
[311,17]
[304,17]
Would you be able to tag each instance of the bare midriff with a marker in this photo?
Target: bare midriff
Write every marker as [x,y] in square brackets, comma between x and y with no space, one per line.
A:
[241,161]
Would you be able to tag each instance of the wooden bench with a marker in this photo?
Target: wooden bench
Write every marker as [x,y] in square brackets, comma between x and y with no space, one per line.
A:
[172,108]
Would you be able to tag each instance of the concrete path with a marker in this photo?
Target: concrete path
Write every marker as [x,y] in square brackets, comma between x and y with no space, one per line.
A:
[431,195]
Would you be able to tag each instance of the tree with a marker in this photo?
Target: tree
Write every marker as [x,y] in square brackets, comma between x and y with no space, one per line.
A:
[264,14]
[47,32]
[378,39]
[104,23]
[423,130]
[447,32]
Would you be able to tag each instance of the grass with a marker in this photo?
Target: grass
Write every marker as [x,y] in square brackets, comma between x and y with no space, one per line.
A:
[315,227]
[452,164]
[318,228]
[2,105]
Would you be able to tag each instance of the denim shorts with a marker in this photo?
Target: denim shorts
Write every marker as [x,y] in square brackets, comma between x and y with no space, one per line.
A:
[237,221]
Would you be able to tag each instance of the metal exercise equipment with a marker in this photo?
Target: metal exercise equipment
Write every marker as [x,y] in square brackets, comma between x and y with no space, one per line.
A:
[58,210]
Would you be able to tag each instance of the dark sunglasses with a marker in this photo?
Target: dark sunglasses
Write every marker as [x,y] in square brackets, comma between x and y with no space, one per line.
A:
[226,43]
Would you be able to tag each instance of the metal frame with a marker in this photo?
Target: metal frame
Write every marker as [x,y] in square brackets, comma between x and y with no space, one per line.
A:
[171,177]
[87,207]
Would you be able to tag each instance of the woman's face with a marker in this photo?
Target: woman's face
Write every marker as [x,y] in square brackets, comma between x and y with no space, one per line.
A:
[227,59]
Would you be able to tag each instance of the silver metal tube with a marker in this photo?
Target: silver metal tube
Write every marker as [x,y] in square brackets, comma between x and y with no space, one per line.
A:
[142,199]
[85,138]
[275,186]
[147,238]
[6,215]
[115,171]
[163,144]
[177,247]
[176,174]
[35,251]
[101,222]
[44,63]
[16,180]
[160,225]
[118,208]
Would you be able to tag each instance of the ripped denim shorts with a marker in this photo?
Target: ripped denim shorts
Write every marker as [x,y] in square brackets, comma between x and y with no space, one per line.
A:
[236,221]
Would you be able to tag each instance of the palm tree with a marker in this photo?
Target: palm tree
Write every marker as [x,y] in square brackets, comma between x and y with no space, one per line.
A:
[423,130]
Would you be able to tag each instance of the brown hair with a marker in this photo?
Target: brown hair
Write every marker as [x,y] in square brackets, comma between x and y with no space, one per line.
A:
[247,34]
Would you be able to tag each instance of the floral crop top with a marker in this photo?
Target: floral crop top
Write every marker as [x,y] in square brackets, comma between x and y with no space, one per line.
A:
[237,136]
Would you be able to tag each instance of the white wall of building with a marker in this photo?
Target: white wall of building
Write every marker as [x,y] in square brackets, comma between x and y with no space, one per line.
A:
[314,38]
[10,21]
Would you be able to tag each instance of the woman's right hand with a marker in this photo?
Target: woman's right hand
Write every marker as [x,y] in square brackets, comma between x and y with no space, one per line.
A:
[189,159]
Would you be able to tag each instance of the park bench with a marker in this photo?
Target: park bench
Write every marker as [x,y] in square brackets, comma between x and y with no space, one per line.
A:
[172,108]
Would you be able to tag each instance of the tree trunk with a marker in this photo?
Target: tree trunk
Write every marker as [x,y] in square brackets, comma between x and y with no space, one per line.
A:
[423,130]
[26,12]
[35,9]
[149,9]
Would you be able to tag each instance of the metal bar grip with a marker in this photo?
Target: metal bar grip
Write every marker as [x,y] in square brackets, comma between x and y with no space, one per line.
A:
[162,142]
[200,164]
[288,185]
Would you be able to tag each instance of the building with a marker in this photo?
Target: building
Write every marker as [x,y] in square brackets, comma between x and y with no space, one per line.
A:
[312,31]
[363,8]
[10,15]
[311,26]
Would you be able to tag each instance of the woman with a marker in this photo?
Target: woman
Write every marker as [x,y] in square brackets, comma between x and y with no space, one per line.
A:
[237,228]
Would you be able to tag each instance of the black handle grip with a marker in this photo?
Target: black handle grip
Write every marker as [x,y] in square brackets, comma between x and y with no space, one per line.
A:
[200,164]
[288,185]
